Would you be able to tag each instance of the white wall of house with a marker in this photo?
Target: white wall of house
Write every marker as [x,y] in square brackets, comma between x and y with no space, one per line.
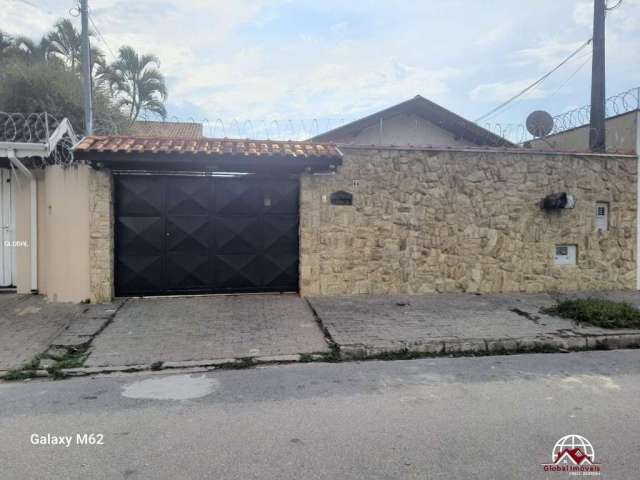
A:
[621,131]
[404,129]
[7,229]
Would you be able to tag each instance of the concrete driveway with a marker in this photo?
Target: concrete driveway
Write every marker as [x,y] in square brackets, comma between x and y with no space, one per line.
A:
[201,328]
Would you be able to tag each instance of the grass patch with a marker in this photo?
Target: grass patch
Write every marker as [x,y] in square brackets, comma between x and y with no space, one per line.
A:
[400,354]
[28,370]
[594,311]
[332,356]
[240,363]
[73,357]
[19,374]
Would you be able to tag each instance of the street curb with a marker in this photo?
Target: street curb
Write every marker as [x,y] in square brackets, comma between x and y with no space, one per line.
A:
[201,365]
[401,350]
[506,346]
[466,347]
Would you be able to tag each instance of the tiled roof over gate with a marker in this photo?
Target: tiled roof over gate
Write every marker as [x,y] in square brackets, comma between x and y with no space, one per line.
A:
[209,146]
[166,129]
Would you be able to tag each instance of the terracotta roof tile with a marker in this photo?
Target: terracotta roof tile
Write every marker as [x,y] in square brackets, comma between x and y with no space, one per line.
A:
[166,129]
[209,146]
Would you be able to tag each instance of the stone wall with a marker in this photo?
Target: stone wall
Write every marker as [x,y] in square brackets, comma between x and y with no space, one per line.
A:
[101,235]
[446,221]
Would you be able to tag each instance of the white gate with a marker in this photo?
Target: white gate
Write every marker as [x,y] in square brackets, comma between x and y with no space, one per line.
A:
[7,229]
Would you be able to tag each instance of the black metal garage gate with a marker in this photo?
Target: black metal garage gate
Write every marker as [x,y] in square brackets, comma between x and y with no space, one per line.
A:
[183,234]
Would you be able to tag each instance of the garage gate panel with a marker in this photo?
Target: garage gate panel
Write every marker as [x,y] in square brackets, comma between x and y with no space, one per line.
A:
[182,234]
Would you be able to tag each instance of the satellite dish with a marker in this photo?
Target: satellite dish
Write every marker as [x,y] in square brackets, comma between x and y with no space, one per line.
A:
[539,123]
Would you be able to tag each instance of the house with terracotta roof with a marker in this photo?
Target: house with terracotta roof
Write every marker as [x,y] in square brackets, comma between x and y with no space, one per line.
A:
[161,129]
[144,214]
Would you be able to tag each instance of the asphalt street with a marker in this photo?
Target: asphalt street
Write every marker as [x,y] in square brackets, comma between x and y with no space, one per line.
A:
[481,418]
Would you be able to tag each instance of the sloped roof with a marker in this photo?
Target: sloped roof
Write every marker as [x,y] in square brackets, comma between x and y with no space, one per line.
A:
[166,129]
[129,144]
[432,112]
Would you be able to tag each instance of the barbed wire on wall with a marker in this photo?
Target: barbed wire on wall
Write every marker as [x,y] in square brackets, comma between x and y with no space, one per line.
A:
[619,104]
[497,133]
[36,128]
[615,105]
[26,128]
[274,129]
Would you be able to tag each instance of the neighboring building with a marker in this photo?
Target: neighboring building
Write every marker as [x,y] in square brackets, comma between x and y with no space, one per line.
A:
[416,122]
[140,215]
[28,144]
[145,128]
[622,135]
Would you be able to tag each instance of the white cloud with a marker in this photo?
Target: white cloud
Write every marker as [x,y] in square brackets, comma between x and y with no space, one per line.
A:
[547,55]
[20,18]
[502,91]
[305,59]
[495,35]
[342,89]
[583,13]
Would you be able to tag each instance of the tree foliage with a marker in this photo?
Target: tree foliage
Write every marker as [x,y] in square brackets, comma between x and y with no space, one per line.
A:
[51,87]
[136,82]
[44,75]
[64,42]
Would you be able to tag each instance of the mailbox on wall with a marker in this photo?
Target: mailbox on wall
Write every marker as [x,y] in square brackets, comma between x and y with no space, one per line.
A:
[341,198]
[557,201]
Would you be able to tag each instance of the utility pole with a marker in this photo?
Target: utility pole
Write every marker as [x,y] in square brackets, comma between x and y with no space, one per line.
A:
[86,68]
[597,136]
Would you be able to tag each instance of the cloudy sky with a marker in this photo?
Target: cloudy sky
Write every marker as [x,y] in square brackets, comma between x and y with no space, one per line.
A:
[298,60]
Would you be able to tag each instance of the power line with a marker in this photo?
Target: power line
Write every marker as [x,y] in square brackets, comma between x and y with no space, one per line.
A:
[608,9]
[588,59]
[534,84]
[95,27]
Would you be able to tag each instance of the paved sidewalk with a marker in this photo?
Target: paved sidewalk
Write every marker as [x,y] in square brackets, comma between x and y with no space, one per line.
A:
[208,330]
[368,326]
[201,328]
[28,324]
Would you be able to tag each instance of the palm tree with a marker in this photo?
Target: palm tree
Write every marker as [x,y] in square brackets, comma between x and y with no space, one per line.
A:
[137,83]
[30,49]
[65,42]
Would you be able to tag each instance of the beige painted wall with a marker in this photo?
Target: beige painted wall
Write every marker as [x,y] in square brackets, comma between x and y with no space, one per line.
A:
[23,229]
[404,130]
[621,134]
[427,221]
[63,233]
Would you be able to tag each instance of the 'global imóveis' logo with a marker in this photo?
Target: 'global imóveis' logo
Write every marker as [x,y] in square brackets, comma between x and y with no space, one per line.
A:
[575,455]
